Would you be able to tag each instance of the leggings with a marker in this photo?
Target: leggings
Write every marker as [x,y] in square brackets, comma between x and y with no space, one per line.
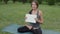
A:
[25,29]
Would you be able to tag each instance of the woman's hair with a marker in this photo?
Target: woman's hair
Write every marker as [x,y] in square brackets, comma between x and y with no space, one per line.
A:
[36,2]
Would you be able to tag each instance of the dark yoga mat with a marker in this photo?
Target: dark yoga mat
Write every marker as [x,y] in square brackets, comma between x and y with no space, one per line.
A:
[13,29]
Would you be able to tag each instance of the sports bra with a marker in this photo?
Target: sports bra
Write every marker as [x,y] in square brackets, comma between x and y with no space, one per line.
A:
[37,24]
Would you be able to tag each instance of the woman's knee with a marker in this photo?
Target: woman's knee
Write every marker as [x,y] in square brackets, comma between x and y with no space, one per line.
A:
[22,29]
[37,31]
[19,29]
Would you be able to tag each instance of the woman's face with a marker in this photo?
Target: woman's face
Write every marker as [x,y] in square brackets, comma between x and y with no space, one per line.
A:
[34,6]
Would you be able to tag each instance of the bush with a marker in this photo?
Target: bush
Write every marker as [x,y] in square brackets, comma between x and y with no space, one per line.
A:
[14,1]
[23,1]
[6,1]
[57,0]
[0,0]
[51,2]
[19,0]
[40,1]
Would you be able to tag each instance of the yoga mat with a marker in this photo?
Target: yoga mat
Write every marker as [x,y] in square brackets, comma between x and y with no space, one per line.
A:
[13,29]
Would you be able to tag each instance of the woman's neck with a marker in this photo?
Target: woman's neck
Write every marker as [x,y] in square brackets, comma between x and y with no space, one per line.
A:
[35,9]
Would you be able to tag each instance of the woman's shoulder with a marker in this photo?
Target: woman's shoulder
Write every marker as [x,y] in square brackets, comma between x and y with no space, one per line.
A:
[40,12]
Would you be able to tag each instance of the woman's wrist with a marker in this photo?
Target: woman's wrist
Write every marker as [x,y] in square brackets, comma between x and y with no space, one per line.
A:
[39,21]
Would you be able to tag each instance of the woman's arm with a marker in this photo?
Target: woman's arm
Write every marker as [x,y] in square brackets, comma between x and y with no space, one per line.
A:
[41,17]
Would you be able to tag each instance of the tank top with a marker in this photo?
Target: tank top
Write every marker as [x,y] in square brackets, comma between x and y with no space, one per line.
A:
[37,24]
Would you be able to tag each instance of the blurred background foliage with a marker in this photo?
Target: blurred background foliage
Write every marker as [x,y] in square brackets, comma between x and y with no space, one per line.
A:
[48,2]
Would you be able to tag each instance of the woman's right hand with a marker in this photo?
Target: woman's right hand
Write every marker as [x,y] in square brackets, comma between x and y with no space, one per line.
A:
[30,27]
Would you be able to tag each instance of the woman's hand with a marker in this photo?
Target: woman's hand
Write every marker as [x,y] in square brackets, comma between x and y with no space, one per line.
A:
[30,27]
[37,19]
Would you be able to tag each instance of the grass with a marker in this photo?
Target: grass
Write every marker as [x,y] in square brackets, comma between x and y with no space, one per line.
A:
[14,13]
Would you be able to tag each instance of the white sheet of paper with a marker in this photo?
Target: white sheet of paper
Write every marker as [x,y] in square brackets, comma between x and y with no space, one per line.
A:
[30,18]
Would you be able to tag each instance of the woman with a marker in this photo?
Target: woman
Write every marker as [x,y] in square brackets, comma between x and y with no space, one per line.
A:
[33,27]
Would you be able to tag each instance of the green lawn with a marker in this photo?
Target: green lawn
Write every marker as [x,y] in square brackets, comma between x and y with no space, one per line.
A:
[14,13]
